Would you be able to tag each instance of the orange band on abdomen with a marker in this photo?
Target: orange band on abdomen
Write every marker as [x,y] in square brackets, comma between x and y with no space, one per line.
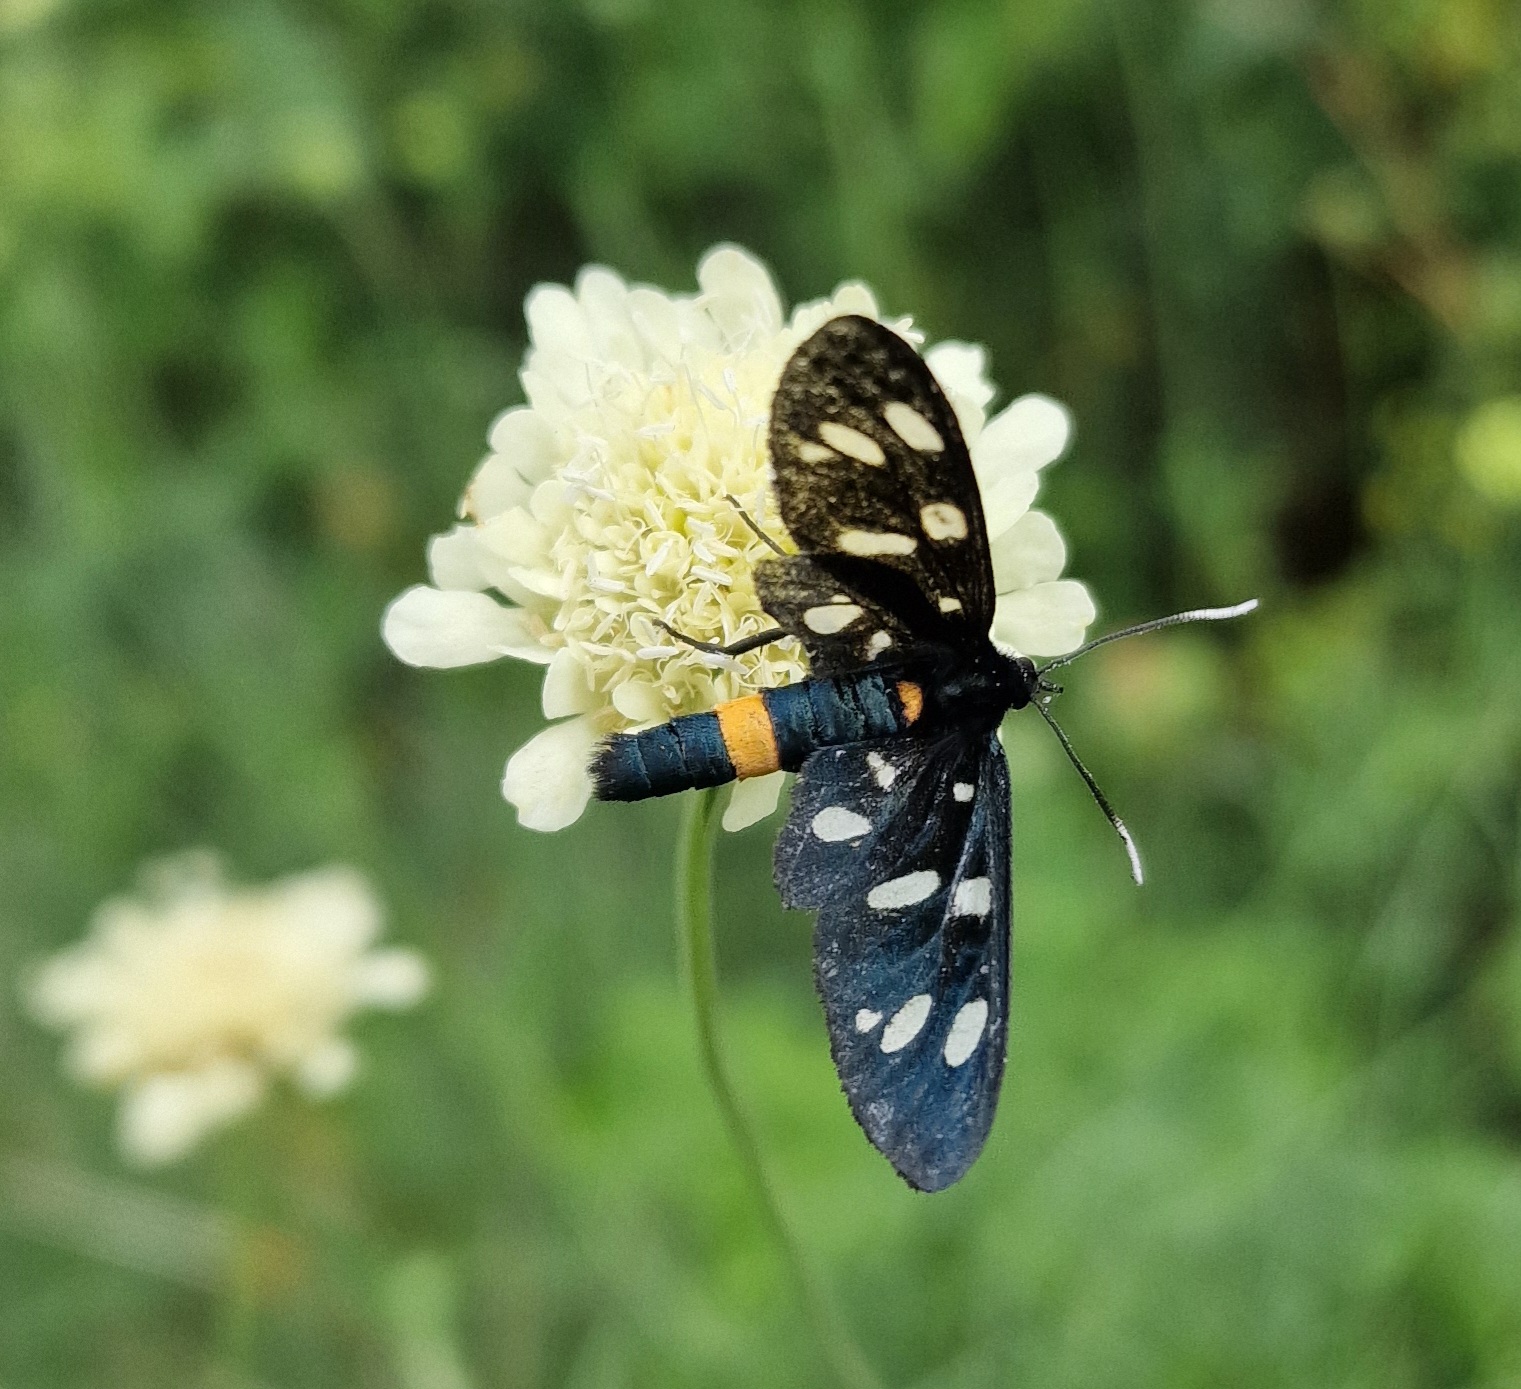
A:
[911,697]
[748,736]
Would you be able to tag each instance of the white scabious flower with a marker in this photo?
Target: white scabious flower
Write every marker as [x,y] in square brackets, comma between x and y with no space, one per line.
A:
[191,997]
[610,503]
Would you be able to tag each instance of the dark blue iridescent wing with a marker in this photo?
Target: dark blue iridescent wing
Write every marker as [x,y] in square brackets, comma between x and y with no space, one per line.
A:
[903,848]
[875,484]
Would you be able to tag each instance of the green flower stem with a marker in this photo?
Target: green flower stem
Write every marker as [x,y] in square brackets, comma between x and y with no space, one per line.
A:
[694,916]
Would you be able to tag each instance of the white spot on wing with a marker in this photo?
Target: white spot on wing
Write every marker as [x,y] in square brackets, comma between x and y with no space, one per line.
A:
[904,891]
[973,897]
[867,543]
[835,823]
[881,769]
[966,1031]
[866,1019]
[852,443]
[963,790]
[910,426]
[905,1024]
[879,643]
[942,521]
[950,605]
[829,618]
[811,452]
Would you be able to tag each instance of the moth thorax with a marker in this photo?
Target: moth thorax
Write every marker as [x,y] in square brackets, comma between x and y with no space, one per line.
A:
[982,690]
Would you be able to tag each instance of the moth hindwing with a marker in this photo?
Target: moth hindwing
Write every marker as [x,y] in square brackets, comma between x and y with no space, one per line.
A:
[903,848]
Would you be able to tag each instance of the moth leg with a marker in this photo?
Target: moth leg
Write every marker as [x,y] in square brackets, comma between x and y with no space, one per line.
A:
[751,522]
[737,648]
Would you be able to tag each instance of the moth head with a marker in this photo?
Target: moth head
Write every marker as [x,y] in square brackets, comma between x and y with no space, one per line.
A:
[1020,678]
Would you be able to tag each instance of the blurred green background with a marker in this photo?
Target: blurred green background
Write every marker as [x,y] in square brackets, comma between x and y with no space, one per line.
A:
[261,276]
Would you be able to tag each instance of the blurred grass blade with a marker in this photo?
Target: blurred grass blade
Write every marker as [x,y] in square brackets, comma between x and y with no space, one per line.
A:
[117,1223]
[420,1297]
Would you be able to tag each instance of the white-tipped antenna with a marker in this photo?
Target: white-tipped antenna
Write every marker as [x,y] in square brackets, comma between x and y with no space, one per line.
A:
[1099,796]
[1177,619]
[1196,615]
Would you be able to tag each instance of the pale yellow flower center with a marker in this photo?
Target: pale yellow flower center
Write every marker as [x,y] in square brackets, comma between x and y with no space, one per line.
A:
[655,531]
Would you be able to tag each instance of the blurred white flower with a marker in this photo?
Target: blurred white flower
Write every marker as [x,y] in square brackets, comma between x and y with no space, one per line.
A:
[193,996]
[608,505]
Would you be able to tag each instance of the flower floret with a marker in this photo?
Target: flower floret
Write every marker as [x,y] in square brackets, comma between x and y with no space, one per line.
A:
[190,997]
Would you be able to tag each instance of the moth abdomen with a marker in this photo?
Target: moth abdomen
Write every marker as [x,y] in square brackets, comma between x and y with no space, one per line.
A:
[774,730]
[686,752]
[828,713]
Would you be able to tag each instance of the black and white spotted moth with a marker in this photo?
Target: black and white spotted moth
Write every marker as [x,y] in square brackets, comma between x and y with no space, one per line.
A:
[899,831]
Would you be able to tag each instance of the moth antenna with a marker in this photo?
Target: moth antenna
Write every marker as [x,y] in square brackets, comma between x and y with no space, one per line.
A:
[1093,786]
[1177,619]
[734,648]
[754,525]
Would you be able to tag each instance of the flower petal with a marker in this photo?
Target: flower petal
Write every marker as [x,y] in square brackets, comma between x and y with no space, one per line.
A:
[526,440]
[550,505]
[495,485]
[658,322]
[1047,620]
[555,384]
[959,367]
[69,988]
[455,561]
[394,978]
[333,908]
[105,1053]
[603,298]
[1029,433]
[523,454]
[556,322]
[604,301]
[567,690]
[752,800]
[507,549]
[518,545]
[1006,496]
[518,536]
[639,701]
[854,296]
[163,1117]
[850,297]
[432,627]
[327,1068]
[546,778]
[738,295]
[1029,552]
